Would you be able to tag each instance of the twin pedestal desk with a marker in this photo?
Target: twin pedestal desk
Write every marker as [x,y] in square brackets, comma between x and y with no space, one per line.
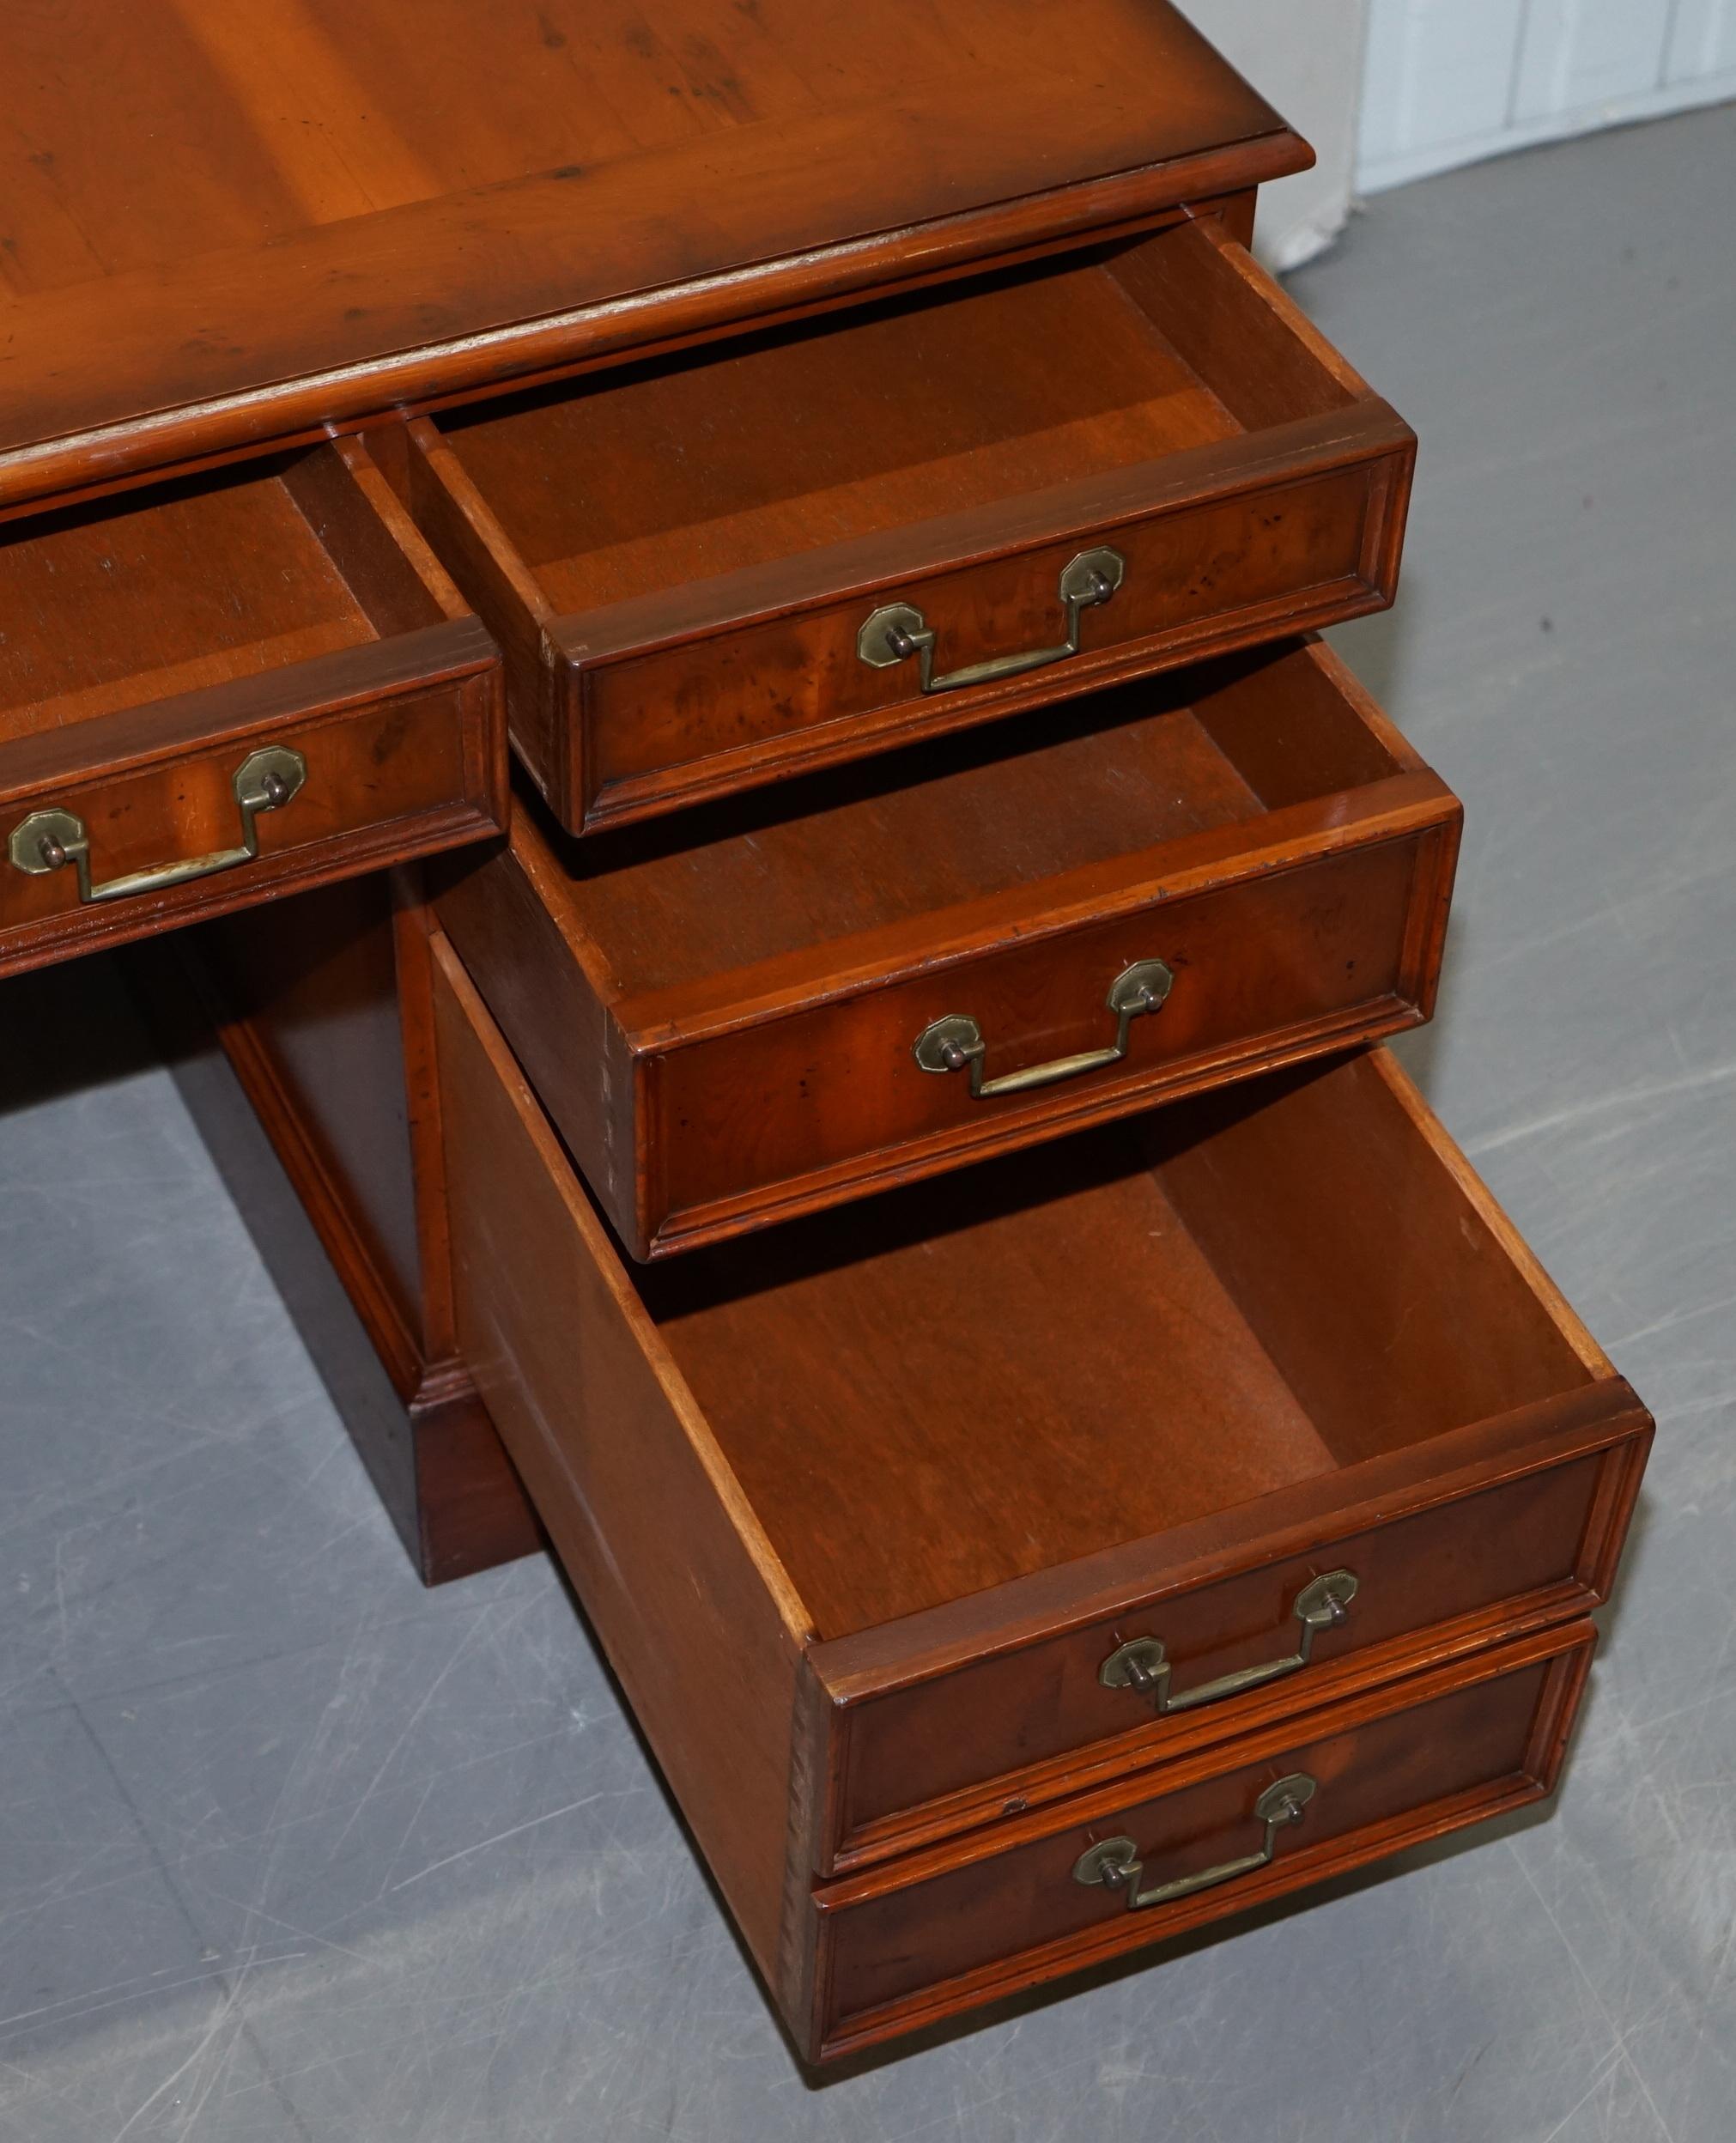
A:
[711,620]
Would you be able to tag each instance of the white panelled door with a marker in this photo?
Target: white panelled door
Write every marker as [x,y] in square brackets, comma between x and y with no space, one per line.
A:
[1577,54]
[1449,81]
[1703,40]
[1436,74]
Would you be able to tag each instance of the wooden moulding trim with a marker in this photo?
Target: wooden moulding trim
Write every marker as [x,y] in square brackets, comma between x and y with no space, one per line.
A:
[1292,837]
[373,423]
[692,1227]
[256,1070]
[291,301]
[1611,1513]
[1483,1200]
[1286,455]
[1388,515]
[734,1498]
[1286,1522]
[1553,1724]
[1430,909]
[138,738]
[1570,1655]
[488,749]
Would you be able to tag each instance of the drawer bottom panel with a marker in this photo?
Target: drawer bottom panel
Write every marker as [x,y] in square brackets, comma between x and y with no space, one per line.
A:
[1410,1762]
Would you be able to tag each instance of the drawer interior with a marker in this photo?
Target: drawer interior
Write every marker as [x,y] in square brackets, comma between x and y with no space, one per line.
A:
[963,818]
[701,464]
[967,1380]
[797,1482]
[204,582]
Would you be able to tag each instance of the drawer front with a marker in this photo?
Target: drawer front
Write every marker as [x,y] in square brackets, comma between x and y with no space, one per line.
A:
[217,690]
[1355,1783]
[774,1117]
[292,798]
[1019,1730]
[675,723]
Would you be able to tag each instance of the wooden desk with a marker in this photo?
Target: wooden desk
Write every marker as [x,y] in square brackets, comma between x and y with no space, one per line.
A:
[850,461]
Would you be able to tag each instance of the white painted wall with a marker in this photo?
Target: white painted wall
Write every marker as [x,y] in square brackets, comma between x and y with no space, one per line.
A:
[1450,80]
[1306,57]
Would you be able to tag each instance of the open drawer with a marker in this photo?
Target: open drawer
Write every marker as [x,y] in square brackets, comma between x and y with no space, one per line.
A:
[873,1512]
[719,567]
[1009,934]
[227,687]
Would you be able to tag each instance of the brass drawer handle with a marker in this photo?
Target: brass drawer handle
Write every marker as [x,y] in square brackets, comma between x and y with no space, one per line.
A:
[951,1043]
[897,631]
[1140,1664]
[264,781]
[1116,1865]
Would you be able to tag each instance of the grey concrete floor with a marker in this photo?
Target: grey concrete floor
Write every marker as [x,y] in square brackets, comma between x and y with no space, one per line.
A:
[290,1848]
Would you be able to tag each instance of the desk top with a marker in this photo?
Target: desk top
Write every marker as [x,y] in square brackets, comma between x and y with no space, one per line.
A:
[226,221]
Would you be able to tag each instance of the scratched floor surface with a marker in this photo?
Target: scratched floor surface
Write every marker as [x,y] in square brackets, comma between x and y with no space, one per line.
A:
[290,1848]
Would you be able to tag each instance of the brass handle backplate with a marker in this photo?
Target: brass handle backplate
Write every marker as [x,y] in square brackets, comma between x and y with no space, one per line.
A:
[48,840]
[1142,1665]
[897,631]
[955,1042]
[1115,1864]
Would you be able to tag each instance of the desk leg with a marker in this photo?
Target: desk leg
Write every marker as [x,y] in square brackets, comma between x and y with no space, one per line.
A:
[320,1006]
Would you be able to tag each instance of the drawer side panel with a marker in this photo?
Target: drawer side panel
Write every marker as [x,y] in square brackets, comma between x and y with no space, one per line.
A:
[680,1587]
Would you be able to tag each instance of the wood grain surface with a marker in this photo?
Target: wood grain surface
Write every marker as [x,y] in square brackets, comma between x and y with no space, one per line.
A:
[224,223]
